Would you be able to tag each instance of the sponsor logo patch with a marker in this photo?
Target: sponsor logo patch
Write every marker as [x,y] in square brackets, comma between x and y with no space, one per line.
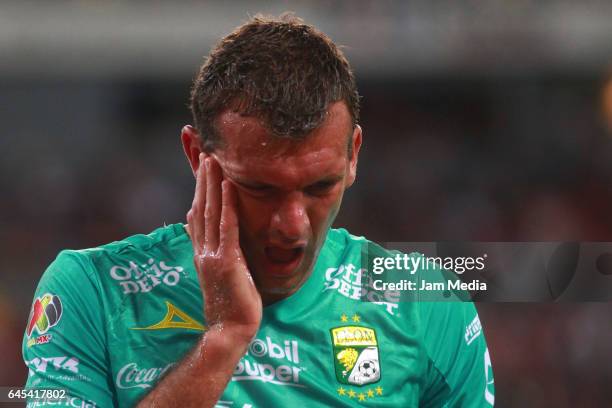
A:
[67,401]
[354,283]
[489,387]
[135,278]
[473,330]
[44,339]
[133,376]
[225,404]
[62,368]
[175,318]
[271,361]
[40,365]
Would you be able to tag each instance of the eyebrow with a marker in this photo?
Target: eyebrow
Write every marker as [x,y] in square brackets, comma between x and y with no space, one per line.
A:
[331,179]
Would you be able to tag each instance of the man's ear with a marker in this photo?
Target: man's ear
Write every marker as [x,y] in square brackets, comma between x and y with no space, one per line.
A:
[192,146]
[356,145]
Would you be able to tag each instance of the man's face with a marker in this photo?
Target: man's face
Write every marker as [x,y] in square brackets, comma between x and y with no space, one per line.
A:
[289,192]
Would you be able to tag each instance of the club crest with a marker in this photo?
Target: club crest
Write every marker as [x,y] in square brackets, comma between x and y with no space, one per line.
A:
[355,351]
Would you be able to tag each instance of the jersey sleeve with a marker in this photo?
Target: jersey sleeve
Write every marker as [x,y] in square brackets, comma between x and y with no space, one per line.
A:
[64,341]
[459,371]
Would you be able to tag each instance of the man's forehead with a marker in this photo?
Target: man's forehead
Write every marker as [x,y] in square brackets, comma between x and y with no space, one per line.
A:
[241,133]
[231,123]
[248,147]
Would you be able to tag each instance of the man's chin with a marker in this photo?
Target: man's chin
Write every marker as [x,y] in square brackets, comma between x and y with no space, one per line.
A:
[280,291]
[286,285]
[279,287]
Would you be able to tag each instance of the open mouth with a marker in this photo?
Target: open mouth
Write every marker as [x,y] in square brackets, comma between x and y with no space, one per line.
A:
[279,255]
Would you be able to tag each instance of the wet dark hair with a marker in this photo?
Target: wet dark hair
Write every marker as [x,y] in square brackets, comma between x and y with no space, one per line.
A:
[280,70]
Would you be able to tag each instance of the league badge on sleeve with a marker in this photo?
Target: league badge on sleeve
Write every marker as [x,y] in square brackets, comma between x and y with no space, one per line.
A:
[46,312]
[355,351]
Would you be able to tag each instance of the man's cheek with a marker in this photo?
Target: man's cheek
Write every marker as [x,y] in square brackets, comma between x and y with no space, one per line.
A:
[250,210]
[325,215]
[335,207]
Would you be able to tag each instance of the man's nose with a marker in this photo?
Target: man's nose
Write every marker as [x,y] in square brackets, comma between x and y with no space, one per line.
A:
[290,222]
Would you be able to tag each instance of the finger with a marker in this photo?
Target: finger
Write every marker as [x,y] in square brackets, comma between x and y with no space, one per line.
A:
[212,213]
[198,208]
[228,229]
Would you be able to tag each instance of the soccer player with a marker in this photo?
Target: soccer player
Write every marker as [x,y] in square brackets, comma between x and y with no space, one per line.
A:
[256,301]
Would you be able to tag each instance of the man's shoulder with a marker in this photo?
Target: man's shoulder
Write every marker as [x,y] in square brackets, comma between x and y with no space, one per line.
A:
[340,238]
[138,249]
[138,242]
[158,238]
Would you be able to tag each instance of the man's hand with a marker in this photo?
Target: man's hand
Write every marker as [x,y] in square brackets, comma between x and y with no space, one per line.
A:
[232,305]
[231,301]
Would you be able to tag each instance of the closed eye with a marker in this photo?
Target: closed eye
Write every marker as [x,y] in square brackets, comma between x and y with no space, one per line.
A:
[257,189]
[321,188]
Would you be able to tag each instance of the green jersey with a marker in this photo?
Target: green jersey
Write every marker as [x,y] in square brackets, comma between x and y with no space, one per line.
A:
[107,324]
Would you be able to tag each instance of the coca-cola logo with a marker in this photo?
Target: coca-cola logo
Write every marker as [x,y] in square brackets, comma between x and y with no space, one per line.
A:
[133,376]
